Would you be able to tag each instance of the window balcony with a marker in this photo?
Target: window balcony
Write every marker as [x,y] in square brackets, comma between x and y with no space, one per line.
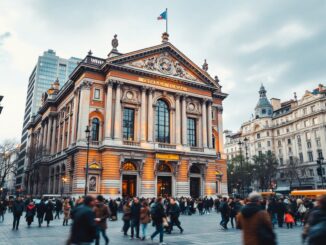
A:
[131,143]
[166,146]
[198,149]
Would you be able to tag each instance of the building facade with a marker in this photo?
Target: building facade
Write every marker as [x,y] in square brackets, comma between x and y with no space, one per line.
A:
[48,68]
[156,128]
[294,130]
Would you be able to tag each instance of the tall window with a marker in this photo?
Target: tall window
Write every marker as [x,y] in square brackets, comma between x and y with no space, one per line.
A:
[191,128]
[95,129]
[128,124]
[310,156]
[162,122]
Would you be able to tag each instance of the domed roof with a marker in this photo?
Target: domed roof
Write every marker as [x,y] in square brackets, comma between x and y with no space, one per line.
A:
[263,107]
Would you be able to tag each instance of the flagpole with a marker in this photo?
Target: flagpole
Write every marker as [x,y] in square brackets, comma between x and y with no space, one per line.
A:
[166,23]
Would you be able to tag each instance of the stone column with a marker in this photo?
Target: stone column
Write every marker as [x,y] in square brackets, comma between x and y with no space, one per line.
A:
[220,130]
[59,135]
[184,121]
[54,130]
[143,115]
[69,125]
[74,116]
[108,111]
[117,117]
[209,125]
[45,131]
[48,137]
[204,123]
[138,125]
[83,109]
[41,137]
[150,121]
[63,133]
[177,120]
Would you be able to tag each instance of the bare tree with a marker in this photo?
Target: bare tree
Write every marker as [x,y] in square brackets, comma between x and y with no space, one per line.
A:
[8,162]
[291,171]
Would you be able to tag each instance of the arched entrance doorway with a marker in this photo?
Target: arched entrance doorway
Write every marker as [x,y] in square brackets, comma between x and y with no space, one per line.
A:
[164,180]
[195,181]
[129,180]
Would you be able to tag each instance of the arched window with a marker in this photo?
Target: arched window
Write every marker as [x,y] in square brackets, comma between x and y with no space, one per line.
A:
[162,122]
[129,166]
[164,168]
[195,169]
[95,129]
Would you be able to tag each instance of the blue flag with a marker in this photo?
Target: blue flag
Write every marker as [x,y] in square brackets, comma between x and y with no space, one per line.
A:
[163,16]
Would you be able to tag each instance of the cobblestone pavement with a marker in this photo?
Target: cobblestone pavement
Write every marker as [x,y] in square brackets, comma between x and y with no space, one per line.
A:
[198,230]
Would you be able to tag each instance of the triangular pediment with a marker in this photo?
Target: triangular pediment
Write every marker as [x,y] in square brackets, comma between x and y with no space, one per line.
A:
[165,60]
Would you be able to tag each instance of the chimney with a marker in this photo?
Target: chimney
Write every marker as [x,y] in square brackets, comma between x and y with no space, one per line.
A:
[276,103]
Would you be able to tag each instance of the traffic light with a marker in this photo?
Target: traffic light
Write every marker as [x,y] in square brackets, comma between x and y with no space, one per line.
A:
[319,171]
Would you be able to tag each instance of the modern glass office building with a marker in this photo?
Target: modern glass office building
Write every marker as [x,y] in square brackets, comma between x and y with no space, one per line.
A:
[48,68]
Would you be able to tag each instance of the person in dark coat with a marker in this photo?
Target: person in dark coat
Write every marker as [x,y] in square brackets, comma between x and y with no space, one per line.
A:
[174,213]
[2,210]
[114,210]
[30,213]
[40,211]
[17,211]
[83,230]
[49,207]
[126,217]
[280,210]
[225,213]
[58,208]
[158,215]
[135,217]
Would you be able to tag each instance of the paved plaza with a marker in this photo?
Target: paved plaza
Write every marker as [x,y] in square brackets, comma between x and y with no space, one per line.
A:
[198,230]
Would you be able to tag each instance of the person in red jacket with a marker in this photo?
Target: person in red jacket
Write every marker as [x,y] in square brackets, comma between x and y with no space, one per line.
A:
[289,220]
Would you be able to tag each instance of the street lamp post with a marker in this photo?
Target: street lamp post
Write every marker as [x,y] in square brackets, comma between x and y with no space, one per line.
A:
[240,143]
[320,170]
[88,136]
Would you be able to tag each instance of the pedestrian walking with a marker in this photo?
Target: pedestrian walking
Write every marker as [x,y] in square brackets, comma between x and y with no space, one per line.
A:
[102,212]
[174,213]
[17,211]
[30,213]
[289,220]
[40,211]
[158,215]
[49,212]
[280,210]
[255,223]
[145,218]
[66,212]
[83,230]
[126,217]
[135,218]
[58,208]
[315,227]
[2,210]
[225,213]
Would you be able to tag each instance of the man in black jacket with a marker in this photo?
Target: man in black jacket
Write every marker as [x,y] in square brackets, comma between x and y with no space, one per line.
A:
[174,212]
[225,213]
[135,217]
[17,211]
[83,230]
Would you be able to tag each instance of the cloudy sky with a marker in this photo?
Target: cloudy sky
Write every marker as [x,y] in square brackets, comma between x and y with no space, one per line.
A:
[278,43]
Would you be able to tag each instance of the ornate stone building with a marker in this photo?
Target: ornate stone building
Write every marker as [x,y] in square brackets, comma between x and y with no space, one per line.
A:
[294,130]
[156,128]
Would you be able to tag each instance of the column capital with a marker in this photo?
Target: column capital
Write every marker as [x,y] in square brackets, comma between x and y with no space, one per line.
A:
[151,90]
[184,96]
[177,95]
[144,88]
[86,84]
[118,83]
[109,83]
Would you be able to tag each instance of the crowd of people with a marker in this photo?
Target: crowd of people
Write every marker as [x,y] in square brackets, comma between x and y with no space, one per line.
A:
[256,216]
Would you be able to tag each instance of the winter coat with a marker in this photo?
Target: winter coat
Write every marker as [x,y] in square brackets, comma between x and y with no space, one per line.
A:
[49,211]
[84,228]
[40,209]
[18,208]
[135,211]
[66,210]
[288,218]
[58,205]
[103,212]
[126,213]
[250,219]
[158,214]
[145,217]
[30,212]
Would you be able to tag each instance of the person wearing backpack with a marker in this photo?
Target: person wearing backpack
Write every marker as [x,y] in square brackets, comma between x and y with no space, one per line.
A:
[255,223]
[315,227]
[157,212]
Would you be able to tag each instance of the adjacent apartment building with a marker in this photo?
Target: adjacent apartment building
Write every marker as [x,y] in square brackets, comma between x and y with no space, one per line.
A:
[294,130]
[48,68]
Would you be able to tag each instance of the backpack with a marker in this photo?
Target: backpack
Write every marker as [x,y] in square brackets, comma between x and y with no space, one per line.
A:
[153,211]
